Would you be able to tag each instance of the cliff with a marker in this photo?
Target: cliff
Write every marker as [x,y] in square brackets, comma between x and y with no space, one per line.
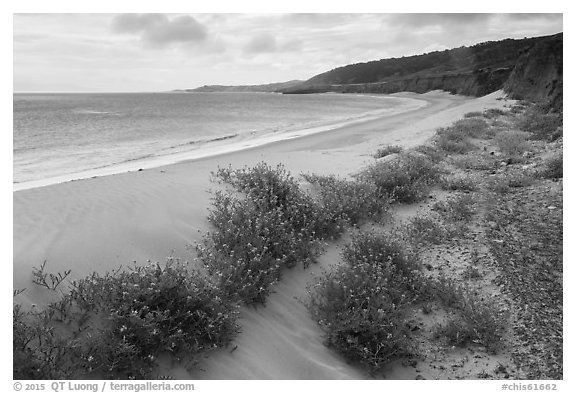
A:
[529,68]
[538,73]
[477,83]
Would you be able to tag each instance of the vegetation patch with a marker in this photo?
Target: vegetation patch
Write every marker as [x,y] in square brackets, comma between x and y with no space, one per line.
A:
[361,304]
[426,229]
[274,226]
[541,124]
[458,183]
[512,143]
[347,202]
[457,208]
[406,179]
[117,325]
[553,167]
[387,150]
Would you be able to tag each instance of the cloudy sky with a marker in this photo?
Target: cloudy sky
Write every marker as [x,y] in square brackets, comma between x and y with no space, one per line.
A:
[159,52]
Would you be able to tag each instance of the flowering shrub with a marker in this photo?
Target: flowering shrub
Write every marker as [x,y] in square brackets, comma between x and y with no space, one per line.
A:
[405,179]
[362,304]
[458,183]
[347,201]
[541,124]
[275,225]
[387,150]
[116,325]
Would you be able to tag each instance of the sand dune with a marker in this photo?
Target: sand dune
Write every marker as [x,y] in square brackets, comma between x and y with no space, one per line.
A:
[101,223]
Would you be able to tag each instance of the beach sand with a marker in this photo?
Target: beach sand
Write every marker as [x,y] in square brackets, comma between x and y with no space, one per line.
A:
[101,223]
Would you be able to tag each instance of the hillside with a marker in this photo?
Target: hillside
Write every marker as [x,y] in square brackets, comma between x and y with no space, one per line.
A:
[477,70]
[266,88]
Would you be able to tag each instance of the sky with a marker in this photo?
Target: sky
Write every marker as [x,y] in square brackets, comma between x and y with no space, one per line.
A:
[161,52]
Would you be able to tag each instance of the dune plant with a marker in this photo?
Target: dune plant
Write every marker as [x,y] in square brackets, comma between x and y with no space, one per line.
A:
[541,124]
[387,150]
[405,179]
[458,183]
[512,143]
[271,226]
[346,202]
[116,325]
[362,303]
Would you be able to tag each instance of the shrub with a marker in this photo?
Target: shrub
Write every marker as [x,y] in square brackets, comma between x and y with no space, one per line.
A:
[493,112]
[517,179]
[472,114]
[276,225]
[472,127]
[459,208]
[405,179]
[458,183]
[116,325]
[387,150]
[251,245]
[512,143]
[347,201]
[361,305]
[451,140]
[553,167]
[360,320]
[477,163]
[477,321]
[430,151]
[425,229]
[381,249]
[543,126]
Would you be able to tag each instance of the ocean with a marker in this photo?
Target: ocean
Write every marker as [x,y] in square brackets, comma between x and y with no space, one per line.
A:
[66,136]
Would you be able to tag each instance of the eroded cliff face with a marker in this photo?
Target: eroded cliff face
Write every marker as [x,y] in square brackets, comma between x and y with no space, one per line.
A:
[476,83]
[538,73]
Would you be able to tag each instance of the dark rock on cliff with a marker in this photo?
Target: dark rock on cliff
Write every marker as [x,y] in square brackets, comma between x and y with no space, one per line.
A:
[538,74]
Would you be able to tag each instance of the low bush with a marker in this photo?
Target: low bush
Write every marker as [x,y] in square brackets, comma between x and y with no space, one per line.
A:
[387,150]
[472,114]
[553,167]
[406,179]
[493,113]
[512,143]
[476,163]
[451,140]
[471,127]
[430,151]
[250,245]
[116,325]
[473,320]
[542,125]
[458,208]
[347,202]
[424,229]
[476,321]
[504,183]
[361,304]
[458,183]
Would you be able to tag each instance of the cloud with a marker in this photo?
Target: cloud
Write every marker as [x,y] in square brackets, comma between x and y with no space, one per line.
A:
[157,30]
[529,17]
[263,43]
[419,20]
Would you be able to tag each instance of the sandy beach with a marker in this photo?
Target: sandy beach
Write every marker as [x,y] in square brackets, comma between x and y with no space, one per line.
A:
[101,223]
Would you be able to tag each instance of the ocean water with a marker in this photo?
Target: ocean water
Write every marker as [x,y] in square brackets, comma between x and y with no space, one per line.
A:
[62,136]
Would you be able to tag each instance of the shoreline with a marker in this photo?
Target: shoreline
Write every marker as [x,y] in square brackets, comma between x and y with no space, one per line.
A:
[99,224]
[229,144]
